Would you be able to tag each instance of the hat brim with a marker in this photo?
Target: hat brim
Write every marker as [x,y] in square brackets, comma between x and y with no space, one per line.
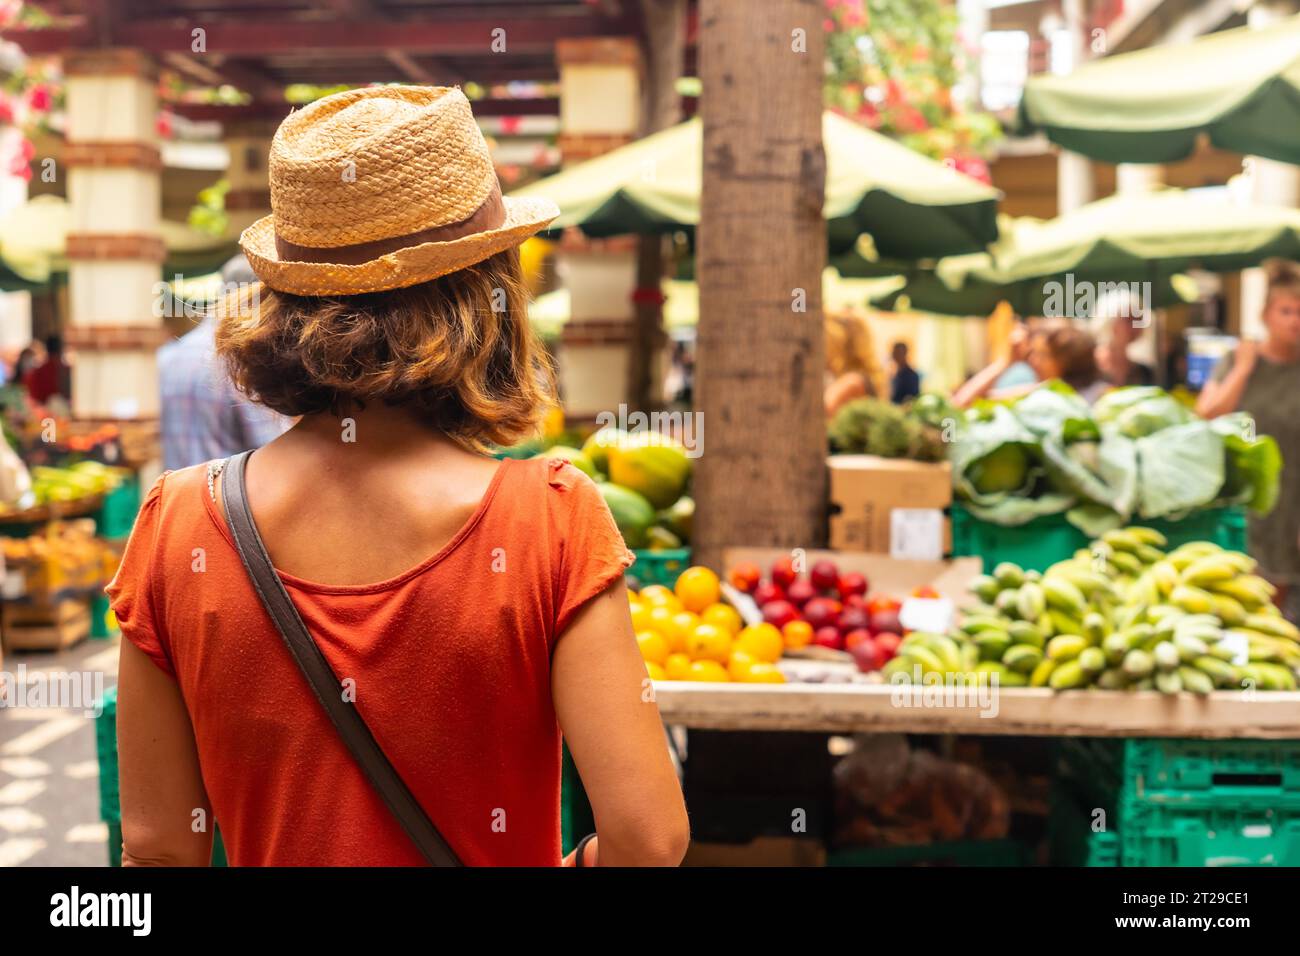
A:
[395,270]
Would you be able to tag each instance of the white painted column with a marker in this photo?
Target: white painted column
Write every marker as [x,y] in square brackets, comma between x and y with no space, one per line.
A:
[1074,183]
[115,249]
[1137,177]
[601,101]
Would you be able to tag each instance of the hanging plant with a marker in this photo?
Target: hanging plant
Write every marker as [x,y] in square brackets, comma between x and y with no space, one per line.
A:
[893,64]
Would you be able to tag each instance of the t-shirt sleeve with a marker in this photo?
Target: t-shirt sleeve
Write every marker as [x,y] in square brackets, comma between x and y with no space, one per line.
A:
[589,550]
[131,591]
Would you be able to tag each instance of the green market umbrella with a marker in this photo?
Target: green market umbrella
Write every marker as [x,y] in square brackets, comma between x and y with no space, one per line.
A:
[912,206]
[1242,87]
[1150,237]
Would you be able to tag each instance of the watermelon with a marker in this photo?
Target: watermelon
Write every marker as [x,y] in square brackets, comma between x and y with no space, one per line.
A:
[632,513]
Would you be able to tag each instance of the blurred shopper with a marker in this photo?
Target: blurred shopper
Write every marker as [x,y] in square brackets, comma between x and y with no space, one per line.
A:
[203,415]
[1263,378]
[473,609]
[27,360]
[52,377]
[1113,359]
[1058,350]
[852,368]
[906,383]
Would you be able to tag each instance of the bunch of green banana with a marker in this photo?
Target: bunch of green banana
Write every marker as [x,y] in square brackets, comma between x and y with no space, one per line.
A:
[1123,614]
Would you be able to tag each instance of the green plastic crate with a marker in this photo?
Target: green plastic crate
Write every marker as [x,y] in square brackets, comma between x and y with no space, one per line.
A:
[99,614]
[1222,836]
[1071,839]
[117,514]
[660,567]
[1043,541]
[946,853]
[1116,774]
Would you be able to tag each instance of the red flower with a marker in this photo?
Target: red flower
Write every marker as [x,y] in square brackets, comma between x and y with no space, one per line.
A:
[510,125]
[39,98]
[164,125]
[6,110]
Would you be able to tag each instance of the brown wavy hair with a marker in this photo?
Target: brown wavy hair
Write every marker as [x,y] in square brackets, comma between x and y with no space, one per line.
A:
[458,351]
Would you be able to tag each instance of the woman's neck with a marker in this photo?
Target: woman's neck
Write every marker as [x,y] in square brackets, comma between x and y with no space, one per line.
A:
[374,430]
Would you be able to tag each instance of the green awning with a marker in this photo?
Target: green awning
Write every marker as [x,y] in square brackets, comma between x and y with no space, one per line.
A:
[1147,237]
[912,206]
[1241,87]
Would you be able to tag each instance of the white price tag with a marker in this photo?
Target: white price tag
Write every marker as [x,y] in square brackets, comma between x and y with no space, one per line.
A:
[1237,642]
[916,534]
[933,615]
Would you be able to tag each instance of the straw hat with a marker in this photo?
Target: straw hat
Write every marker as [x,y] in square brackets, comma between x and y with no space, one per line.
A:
[382,188]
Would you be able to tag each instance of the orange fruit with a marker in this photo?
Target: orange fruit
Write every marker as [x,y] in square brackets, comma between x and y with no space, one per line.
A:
[654,646]
[724,616]
[678,666]
[679,629]
[797,634]
[659,619]
[656,595]
[763,641]
[763,673]
[641,616]
[739,665]
[707,671]
[697,588]
[710,643]
[655,671]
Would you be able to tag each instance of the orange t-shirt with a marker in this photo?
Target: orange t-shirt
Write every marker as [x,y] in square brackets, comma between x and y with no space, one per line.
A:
[451,662]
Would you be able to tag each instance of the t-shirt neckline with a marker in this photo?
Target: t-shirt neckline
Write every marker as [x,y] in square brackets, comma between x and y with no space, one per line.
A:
[302,584]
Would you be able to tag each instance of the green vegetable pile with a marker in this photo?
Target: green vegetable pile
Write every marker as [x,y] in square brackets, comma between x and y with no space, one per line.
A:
[1122,614]
[871,426]
[1137,453]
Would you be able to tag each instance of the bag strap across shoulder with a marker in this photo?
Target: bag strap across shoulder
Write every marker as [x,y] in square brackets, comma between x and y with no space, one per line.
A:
[324,683]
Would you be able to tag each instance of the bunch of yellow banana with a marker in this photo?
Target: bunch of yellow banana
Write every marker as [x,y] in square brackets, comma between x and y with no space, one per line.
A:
[1123,614]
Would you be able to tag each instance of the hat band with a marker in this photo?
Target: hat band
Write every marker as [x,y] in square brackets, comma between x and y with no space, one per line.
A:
[487,217]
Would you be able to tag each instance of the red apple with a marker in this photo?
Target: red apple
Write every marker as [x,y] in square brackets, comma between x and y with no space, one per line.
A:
[886,620]
[887,645]
[855,637]
[857,600]
[825,576]
[866,655]
[822,612]
[745,576]
[783,573]
[780,613]
[767,592]
[800,592]
[854,619]
[853,584]
[829,637]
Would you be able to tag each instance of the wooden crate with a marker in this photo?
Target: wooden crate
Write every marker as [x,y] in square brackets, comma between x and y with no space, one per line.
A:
[46,627]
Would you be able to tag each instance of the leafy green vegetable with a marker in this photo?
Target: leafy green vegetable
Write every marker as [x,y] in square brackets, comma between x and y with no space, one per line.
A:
[1181,467]
[1253,463]
[874,427]
[1143,411]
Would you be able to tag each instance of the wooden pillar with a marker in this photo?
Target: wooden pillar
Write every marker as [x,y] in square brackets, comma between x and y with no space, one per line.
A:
[601,108]
[761,478]
[115,249]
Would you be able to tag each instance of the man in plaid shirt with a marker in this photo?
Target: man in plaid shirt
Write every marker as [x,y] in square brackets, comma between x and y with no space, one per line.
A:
[203,415]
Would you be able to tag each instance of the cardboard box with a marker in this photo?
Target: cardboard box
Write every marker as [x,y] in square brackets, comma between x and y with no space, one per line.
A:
[866,490]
